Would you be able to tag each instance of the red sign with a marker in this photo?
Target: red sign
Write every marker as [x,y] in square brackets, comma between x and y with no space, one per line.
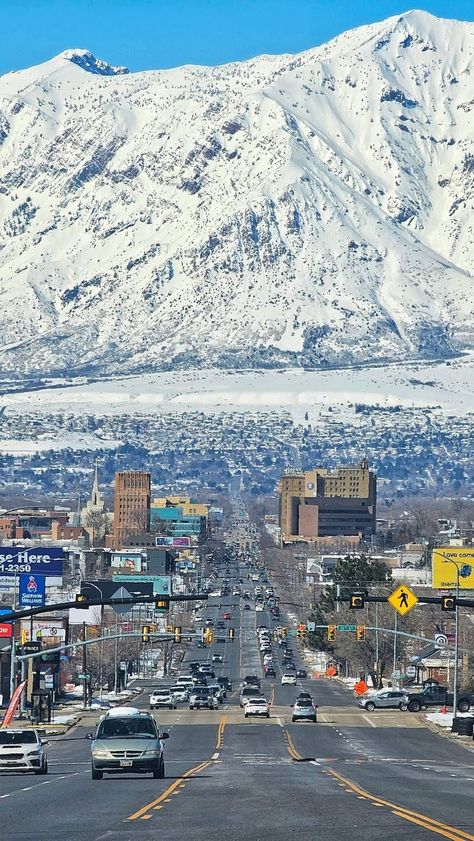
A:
[5,630]
[14,701]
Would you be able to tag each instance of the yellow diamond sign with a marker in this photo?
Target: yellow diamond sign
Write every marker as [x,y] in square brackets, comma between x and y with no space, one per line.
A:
[403,599]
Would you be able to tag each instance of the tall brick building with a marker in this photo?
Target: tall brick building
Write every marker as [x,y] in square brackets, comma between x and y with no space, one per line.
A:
[131,505]
[319,503]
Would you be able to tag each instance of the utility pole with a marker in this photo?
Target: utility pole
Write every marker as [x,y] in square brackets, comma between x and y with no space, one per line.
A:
[84,668]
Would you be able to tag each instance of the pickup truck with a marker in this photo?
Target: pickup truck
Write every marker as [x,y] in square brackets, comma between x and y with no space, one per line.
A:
[438,696]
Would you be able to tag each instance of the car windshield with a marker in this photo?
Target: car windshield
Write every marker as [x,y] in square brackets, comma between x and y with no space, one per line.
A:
[303,702]
[123,728]
[17,737]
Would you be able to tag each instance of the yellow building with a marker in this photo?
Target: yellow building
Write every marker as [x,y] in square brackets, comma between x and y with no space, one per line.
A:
[321,503]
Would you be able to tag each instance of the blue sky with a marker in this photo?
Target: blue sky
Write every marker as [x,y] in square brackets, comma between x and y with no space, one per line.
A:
[144,34]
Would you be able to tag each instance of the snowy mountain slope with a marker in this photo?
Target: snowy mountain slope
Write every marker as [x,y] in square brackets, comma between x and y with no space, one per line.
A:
[304,210]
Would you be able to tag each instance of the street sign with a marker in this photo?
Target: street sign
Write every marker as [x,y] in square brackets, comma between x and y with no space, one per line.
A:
[311,626]
[403,599]
[411,671]
[121,593]
[441,641]
[346,627]
[396,675]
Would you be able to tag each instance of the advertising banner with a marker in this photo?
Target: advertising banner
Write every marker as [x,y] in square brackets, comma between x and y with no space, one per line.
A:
[445,559]
[127,560]
[43,628]
[14,701]
[177,542]
[161,583]
[42,560]
[32,591]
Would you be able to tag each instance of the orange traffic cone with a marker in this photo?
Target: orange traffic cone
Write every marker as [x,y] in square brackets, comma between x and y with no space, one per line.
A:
[444,709]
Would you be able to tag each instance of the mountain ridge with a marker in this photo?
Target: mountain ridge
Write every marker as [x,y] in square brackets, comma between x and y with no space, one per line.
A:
[307,210]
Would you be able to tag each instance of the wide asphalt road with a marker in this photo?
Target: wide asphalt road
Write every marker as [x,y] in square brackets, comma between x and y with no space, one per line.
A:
[353,775]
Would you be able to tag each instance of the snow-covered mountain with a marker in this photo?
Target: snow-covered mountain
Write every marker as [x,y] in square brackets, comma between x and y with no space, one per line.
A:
[288,210]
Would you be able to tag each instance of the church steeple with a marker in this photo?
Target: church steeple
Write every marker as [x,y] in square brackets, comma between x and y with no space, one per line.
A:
[96,499]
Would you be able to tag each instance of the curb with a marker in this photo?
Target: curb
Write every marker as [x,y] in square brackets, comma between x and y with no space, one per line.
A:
[446,734]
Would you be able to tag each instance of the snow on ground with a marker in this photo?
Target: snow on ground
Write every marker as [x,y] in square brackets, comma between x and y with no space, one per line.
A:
[448,386]
[73,441]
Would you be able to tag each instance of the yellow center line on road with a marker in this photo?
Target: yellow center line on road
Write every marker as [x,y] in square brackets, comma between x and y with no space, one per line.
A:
[179,783]
[220,732]
[451,832]
[290,746]
[165,797]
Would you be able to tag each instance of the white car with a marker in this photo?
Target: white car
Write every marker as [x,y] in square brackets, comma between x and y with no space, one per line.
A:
[257,706]
[288,680]
[180,693]
[22,750]
[160,698]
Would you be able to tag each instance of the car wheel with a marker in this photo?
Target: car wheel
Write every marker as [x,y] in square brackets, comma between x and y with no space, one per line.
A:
[293,718]
[370,706]
[42,770]
[97,775]
[464,706]
[414,706]
[246,715]
[403,707]
[314,720]
[159,772]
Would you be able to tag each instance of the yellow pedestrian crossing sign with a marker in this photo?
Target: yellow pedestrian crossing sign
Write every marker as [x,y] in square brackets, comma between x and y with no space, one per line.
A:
[403,599]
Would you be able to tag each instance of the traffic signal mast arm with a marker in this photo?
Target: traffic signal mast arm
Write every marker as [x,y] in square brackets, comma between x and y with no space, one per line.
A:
[50,608]
[422,599]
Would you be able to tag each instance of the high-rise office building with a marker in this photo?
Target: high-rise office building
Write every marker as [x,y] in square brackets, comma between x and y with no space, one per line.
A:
[131,505]
[320,503]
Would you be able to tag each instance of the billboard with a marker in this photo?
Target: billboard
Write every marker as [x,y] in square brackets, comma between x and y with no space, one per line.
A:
[127,560]
[161,583]
[32,592]
[43,628]
[177,542]
[42,560]
[443,570]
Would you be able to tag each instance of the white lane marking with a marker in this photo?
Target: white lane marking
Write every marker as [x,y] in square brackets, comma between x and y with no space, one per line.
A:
[31,788]
[366,718]
[314,762]
[215,755]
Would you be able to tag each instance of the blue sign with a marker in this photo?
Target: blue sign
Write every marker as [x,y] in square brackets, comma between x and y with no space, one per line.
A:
[32,590]
[44,560]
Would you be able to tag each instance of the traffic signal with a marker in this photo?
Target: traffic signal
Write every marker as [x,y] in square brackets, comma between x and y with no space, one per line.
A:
[356,601]
[169,629]
[360,633]
[231,633]
[145,633]
[81,598]
[25,636]
[162,604]
[208,636]
[284,632]
[331,633]
[177,633]
[448,602]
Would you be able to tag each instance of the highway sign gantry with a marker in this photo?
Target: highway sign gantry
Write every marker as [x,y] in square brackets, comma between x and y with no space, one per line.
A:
[403,599]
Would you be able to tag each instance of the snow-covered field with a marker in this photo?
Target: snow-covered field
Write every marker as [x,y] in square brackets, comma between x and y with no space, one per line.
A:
[448,386]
